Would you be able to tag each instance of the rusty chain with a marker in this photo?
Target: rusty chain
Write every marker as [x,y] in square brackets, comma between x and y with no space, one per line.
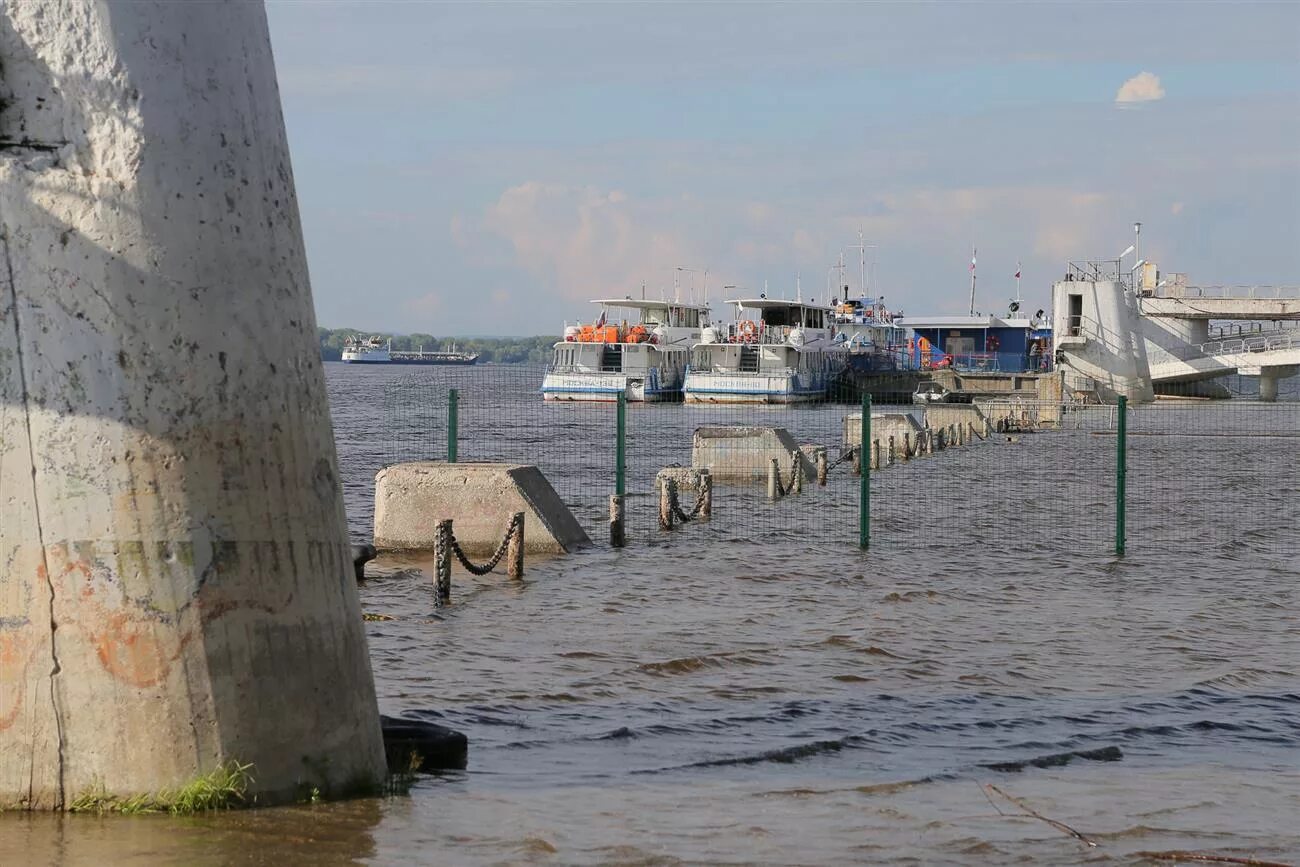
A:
[495,559]
[677,509]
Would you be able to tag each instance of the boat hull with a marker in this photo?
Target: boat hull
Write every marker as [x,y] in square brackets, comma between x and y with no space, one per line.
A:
[753,388]
[605,387]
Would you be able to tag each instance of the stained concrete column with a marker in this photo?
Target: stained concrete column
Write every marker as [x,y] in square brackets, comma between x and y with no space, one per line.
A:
[176,587]
[1268,379]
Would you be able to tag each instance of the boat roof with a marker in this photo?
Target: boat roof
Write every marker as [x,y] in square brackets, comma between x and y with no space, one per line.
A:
[647,304]
[961,322]
[767,303]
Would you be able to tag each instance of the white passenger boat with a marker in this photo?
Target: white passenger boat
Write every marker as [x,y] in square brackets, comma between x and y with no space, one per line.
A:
[776,351]
[644,353]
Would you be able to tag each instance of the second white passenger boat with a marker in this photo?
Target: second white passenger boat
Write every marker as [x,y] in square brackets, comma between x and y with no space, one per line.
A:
[783,352]
[644,355]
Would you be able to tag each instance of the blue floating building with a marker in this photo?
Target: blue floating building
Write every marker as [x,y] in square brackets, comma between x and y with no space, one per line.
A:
[980,343]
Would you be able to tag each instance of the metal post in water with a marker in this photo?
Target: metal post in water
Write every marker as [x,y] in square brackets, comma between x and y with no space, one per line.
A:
[1121,473]
[442,560]
[822,468]
[773,474]
[453,424]
[706,495]
[864,480]
[617,535]
[515,548]
[620,447]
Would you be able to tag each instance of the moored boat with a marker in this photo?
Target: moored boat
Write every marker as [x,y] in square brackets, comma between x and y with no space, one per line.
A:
[377,350]
[644,355]
[781,352]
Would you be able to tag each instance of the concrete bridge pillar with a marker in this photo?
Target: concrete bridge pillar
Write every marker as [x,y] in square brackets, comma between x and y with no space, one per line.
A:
[1099,331]
[176,588]
[1268,379]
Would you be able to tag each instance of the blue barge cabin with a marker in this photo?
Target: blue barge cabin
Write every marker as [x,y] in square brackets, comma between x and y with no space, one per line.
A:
[980,343]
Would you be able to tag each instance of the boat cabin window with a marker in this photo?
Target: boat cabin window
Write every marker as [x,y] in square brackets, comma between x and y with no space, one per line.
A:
[789,317]
[672,317]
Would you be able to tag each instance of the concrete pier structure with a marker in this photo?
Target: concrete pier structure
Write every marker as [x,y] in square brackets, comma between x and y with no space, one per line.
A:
[1120,335]
[177,589]
[1099,333]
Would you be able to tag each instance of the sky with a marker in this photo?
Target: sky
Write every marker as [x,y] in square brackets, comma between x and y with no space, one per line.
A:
[488,168]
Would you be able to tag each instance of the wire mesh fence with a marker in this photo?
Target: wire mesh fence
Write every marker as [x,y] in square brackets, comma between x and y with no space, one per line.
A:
[1007,473]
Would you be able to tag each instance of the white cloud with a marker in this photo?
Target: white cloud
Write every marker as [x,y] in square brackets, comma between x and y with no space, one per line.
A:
[585,240]
[1143,87]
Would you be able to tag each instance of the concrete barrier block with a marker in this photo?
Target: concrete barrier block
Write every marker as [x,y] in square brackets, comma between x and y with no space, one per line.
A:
[687,478]
[740,453]
[957,415]
[811,450]
[883,426]
[410,500]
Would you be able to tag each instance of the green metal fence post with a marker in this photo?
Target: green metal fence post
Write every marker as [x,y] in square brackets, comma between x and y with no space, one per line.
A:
[620,452]
[864,478]
[1121,473]
[453,424]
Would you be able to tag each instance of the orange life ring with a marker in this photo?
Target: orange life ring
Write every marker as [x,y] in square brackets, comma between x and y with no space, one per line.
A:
[748,328]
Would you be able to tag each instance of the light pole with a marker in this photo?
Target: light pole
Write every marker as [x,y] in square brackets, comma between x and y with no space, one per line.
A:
[1137,231]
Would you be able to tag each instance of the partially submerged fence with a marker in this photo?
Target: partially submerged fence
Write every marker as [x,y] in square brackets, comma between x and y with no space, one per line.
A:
[1018,475]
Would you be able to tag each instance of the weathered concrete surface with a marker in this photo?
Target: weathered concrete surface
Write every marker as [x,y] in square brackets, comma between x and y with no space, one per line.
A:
[883,426]
[941,415]
[687,478]
[1101,339]
[740,453]
[410,500]
[177,588]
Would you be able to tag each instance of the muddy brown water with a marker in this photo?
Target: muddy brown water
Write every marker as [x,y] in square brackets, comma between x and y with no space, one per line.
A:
[742,694]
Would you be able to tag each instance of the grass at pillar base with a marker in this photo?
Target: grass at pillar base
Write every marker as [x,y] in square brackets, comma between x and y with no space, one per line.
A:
[224,788]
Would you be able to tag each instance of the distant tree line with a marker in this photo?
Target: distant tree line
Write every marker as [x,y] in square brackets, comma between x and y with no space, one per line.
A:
[501,350]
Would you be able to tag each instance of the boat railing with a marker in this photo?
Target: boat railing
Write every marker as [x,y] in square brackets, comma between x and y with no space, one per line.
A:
[763,334]
[986,362]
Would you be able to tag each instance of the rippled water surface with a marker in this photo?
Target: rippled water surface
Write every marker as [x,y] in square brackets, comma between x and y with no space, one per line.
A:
[739,693]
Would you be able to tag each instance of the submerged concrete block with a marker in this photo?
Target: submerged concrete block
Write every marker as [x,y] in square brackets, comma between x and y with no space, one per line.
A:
[884,425]
[687,478]
[961,415]
[742,453]
[410,500]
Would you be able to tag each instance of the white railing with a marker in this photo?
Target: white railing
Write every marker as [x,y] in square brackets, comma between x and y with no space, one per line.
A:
[1229,292]
[1244,345]
[1254,329]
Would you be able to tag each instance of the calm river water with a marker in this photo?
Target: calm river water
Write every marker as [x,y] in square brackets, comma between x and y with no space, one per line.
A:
[746,694]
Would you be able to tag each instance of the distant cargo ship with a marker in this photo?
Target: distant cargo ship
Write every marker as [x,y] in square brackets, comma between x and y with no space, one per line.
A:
[376,350]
